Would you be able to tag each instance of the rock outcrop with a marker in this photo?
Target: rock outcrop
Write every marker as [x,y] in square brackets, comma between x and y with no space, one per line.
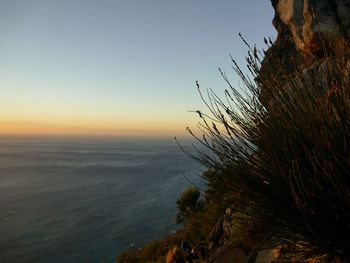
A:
[308,32]
[306,21]
[304,28]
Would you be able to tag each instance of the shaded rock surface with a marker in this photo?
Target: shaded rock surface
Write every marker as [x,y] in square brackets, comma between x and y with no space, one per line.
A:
[269,256]
[229,254]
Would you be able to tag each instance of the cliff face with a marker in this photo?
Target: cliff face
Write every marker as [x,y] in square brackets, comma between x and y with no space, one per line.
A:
[306,21]
[301,24]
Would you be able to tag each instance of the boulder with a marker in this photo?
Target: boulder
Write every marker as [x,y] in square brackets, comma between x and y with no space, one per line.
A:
[269,256]
[233,253]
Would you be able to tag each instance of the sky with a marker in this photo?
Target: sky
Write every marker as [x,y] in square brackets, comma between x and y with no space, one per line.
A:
[118,67]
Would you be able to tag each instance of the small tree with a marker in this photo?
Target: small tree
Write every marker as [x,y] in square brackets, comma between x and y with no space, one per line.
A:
[187,204]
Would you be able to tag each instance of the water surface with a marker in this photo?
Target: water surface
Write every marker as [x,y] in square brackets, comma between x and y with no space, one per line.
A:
[80,200]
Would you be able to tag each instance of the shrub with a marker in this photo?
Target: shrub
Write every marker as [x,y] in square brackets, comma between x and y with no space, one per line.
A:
[187,204]
[285,161]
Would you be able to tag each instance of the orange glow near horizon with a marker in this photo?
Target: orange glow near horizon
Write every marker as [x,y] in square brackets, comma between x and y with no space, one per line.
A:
[75,127]
[118,69]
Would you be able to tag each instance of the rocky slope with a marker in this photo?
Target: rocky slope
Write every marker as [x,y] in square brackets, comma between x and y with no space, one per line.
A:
[306,30]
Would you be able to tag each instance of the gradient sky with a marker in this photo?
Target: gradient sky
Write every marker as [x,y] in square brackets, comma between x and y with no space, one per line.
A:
[121,67]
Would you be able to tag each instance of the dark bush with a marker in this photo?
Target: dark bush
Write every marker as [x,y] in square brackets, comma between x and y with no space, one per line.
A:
[187,204]
[285,162]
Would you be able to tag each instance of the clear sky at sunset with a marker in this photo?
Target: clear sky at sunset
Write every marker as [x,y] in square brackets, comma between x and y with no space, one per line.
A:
[121,67]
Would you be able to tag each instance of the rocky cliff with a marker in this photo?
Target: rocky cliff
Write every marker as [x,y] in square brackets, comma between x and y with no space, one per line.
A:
[303,26]
[304,22]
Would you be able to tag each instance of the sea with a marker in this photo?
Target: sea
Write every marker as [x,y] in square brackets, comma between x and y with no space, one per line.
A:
[81,200]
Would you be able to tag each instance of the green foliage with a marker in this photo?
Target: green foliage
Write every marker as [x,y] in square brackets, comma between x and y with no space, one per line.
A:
[187,204]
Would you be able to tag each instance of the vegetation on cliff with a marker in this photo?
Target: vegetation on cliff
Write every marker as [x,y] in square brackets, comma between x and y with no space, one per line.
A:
[282,161]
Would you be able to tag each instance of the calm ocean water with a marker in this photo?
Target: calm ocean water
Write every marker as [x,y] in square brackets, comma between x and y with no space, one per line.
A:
[70,200]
